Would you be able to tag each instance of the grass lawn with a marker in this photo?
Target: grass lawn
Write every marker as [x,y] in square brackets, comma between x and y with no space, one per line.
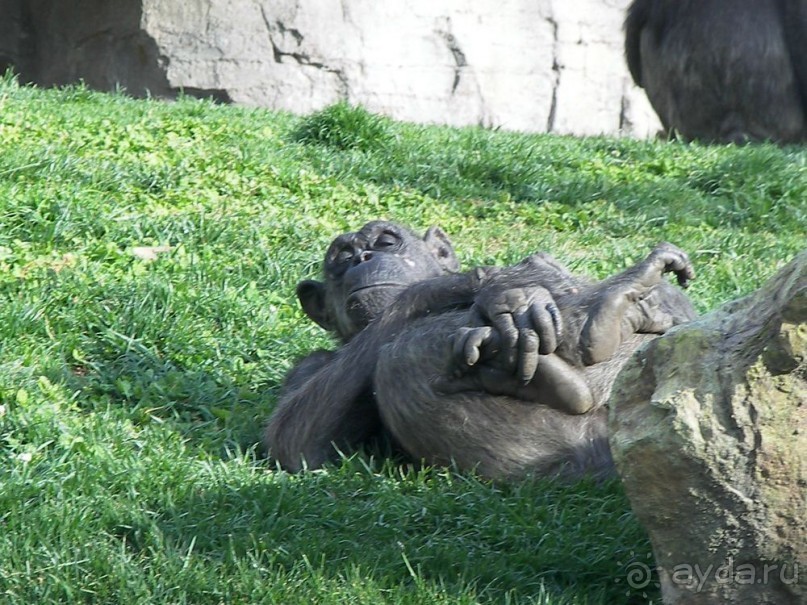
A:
[134,381]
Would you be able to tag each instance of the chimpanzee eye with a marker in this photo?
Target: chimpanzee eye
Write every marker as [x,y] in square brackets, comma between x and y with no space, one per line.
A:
[344,255]
[387,239]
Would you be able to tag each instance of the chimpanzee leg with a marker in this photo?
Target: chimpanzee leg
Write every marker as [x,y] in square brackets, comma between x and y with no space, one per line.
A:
[442,419]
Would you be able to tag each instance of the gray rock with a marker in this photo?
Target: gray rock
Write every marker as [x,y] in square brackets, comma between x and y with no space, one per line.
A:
[540,66]
[97,41]
[709,433]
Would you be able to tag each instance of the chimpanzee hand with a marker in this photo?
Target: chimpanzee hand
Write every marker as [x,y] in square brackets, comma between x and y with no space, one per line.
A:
[511,327]
[666,258]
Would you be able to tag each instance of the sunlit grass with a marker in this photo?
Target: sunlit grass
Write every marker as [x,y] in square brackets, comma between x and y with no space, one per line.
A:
[148,256]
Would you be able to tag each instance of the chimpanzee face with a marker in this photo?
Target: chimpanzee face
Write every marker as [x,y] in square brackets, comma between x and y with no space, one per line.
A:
[366,270]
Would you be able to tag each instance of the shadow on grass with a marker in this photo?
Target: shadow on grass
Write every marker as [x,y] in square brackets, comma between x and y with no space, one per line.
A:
[402,528]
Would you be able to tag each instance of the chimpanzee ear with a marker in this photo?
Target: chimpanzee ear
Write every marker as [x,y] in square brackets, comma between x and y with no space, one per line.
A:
[312,298]
[441,248]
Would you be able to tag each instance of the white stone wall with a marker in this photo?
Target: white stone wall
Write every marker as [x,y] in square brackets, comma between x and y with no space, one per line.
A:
[529,65]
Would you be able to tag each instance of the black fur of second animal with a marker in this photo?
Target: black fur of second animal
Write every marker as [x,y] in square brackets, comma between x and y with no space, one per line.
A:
[727,71]
[501,370]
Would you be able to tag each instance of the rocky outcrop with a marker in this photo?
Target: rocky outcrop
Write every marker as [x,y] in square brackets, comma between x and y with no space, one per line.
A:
[537,65]
[99,42]
[709,433]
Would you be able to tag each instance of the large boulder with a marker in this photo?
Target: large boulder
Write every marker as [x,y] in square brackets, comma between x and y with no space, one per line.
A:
[708,429]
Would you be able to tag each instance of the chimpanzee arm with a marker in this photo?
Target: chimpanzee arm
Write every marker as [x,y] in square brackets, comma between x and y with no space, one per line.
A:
[328,404]
[325,407]
[617,307]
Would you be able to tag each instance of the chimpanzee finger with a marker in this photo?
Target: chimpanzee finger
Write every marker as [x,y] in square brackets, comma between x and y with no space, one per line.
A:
[508,335]
[528,343]
[682,268]
[462,354]
[545,323]
[686,274]
[474,344]
[557,324]
[679,264]
[676,261]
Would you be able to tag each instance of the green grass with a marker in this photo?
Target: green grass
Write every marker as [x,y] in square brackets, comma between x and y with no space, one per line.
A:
[132,391]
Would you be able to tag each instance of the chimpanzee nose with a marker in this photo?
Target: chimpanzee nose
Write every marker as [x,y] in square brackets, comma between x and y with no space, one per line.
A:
[365,256]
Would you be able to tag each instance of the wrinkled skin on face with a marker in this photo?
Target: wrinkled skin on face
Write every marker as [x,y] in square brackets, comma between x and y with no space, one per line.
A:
[366,270]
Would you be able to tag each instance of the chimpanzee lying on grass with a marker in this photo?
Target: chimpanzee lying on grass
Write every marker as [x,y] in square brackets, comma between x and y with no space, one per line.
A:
[503,370]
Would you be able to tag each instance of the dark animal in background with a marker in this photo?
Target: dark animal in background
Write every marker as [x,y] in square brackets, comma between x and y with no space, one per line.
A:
[722,70]
[501,370]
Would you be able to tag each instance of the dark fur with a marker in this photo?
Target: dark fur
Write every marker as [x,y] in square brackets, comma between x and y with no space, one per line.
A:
[722,70]
[400,370]
[329,406]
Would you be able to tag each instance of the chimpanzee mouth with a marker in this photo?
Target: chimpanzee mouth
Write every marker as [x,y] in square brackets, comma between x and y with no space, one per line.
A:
[368,302]
[390,285]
